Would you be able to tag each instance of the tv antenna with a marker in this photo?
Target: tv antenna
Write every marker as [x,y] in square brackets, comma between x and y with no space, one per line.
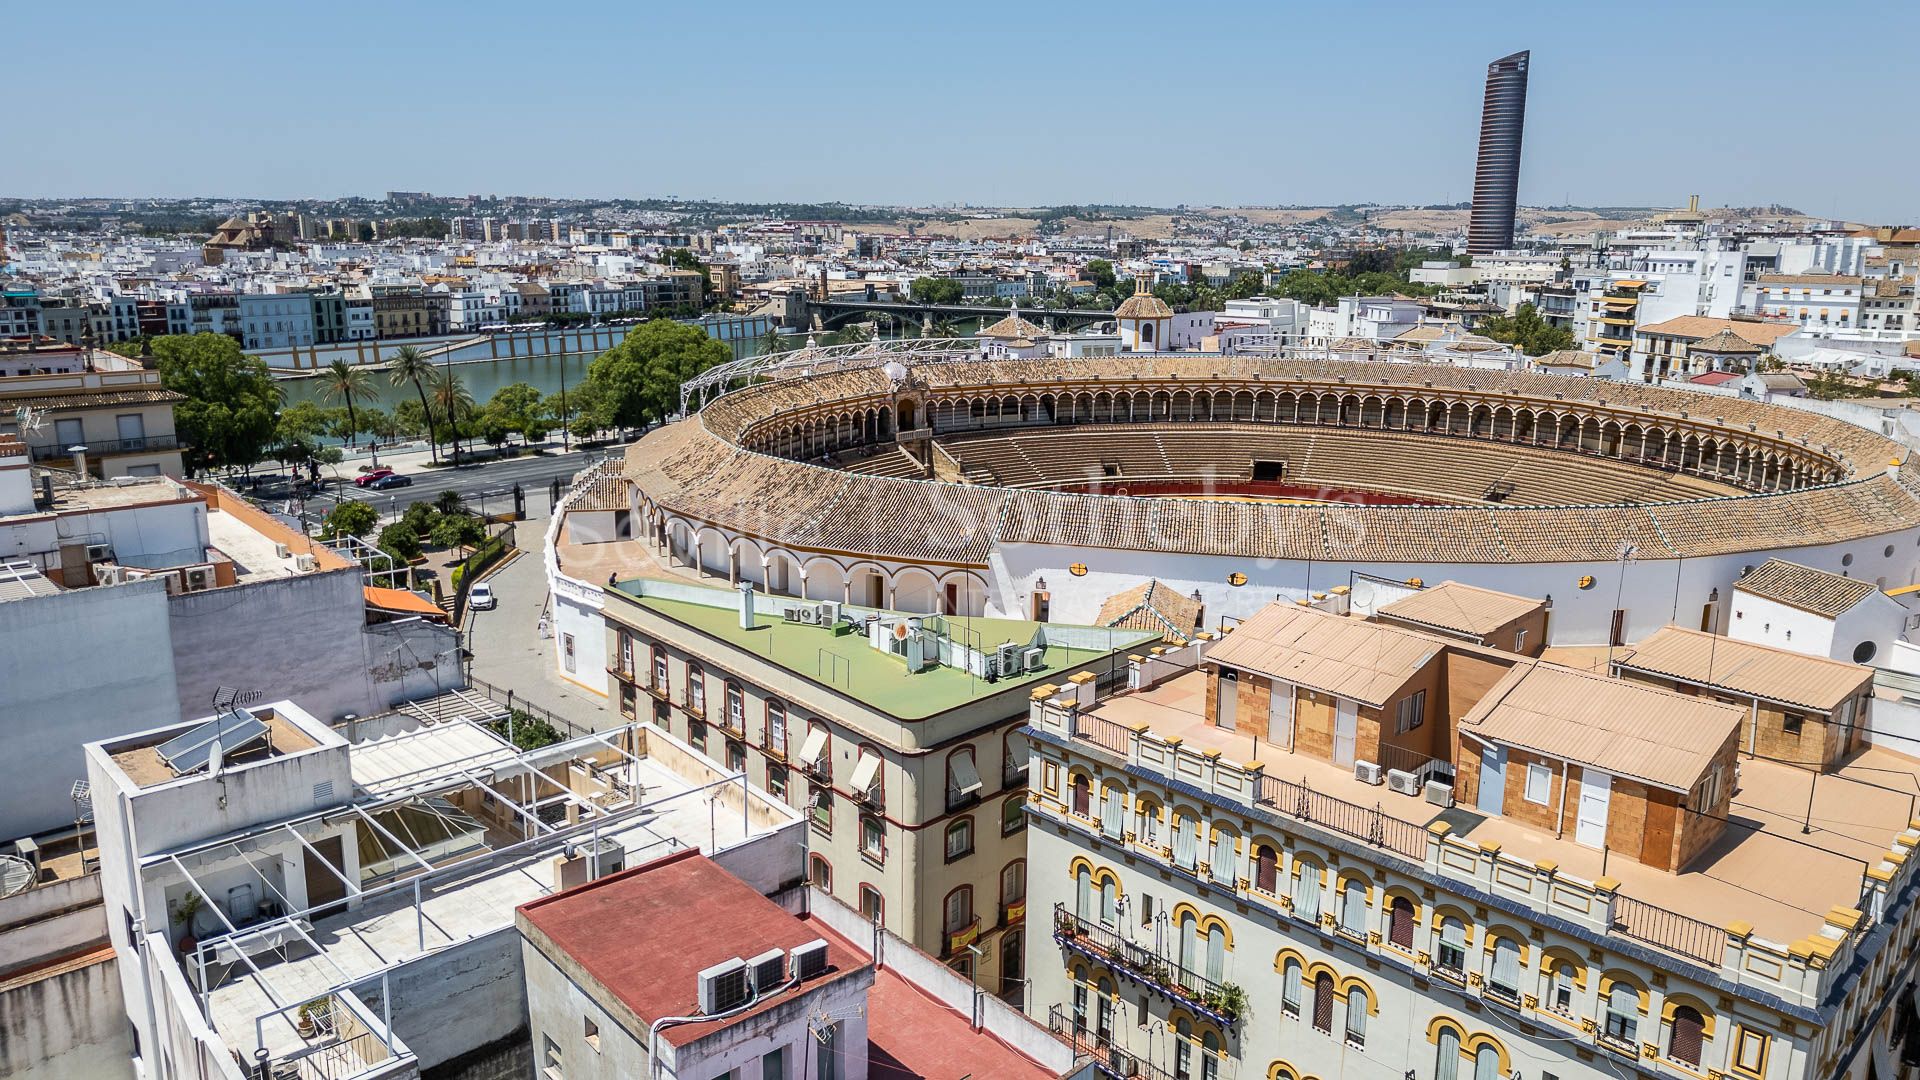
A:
[29,419]
[229,697]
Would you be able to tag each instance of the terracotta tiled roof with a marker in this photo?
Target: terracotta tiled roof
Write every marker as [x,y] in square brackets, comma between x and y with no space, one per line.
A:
[1699,327]
[1350,658]
[1626,728]
[1803,587]
[1726,341]
[92,399]
[1013,326]
[1827,280]
[1153,606]
[1465,609]
[1747,668]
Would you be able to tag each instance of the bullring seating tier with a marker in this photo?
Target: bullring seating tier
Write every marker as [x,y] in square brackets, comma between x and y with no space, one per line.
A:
[1446,469]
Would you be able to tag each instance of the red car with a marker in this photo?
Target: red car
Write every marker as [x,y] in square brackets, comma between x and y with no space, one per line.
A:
[366,479]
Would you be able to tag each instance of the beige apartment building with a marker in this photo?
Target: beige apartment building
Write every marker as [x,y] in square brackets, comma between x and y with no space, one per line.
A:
[1388,852]
[122,419]
[898,736]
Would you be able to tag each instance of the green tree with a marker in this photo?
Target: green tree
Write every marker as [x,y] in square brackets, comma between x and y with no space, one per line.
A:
[1100,272]
[342,381]
[1525,329]
[400,540]
[518,408]
[456,405]
[937,290]
[640,377]
[457,530]
[350,518]
[228,417]
[410,365]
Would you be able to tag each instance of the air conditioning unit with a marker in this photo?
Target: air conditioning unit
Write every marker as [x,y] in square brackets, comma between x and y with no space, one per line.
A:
[768,971]
[99,552]
[829,612]
[1439,794]
[810,616]
[1009,658]
[1366,772]
[305,563]
[199,578]
[109,574]
[990,668]
[1403,782]
[790,612]
[282,551]
[1033,659]
[724,986]
[810,960]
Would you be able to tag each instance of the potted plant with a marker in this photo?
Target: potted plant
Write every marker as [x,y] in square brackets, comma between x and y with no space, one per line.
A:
[1228,999]
[182,912]
[314,1017]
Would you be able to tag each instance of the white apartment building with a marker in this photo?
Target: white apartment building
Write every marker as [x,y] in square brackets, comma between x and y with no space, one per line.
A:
[278,320]
[1824,305]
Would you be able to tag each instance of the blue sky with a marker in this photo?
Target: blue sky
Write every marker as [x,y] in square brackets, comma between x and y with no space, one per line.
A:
[1263,103]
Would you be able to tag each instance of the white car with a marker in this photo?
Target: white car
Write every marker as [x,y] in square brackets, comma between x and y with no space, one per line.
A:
[481,598]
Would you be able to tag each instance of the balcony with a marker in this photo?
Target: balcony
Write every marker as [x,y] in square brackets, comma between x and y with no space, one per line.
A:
[1143,965]
[1110,1060]
[99,448]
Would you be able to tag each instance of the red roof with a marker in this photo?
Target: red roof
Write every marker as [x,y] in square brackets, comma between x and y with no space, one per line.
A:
[1714,378]
[912,1036]
[646,933]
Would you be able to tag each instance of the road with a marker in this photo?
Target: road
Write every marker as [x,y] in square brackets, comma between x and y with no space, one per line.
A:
[535,475]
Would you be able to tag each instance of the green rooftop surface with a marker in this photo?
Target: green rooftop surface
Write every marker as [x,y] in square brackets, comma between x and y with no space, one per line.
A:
[849,664]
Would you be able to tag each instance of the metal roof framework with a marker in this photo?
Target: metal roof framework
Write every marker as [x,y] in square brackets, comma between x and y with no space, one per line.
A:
[294,925]
[818,360]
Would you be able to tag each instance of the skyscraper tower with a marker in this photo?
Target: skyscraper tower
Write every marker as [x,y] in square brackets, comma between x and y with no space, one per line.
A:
[1496,179]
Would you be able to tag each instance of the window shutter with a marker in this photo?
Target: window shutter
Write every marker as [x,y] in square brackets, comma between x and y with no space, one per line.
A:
[1687,1030]
[1323,1003]
[1401,927]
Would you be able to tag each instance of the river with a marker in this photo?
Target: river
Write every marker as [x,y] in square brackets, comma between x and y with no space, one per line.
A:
[481,378]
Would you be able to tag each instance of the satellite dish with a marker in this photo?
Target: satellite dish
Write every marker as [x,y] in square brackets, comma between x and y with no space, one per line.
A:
[16,875]
[1363,594]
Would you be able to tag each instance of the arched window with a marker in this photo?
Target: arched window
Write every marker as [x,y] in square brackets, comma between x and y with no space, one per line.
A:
[1013,887]
[1357,1005]
[872,905]
[1209,1056]
[960,839]
[1290,987]
[1103,1010]
[1146,333]
[1220,862]
[1400,923]
[1306,890]
[959,907]
[1013,759]
[1451,955]
[1266,869]
[1689,1027]
[1217,953]
[1146,823]
[819,872]
[1083,893]
[1013,815]
[1182,1048]
[1504,978]
[1623,1012]
[736,708]
[1186,843]
[1486,1064]
[963,778]
[1082,796]
[1113,811]
[1353,907]
[1323,1003]
[696,690]
[659,670]
[775,736]
[1446,1059]
[1189,942]
[1109,899]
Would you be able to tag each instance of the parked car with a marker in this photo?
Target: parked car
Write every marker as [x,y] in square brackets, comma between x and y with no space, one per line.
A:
[481,598]
[391,480]
[371,476]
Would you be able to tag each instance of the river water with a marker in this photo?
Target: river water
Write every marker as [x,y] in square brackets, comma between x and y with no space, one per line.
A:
[481,378]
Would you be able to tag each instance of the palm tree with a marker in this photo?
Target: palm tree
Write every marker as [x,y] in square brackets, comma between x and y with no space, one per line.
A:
[454,398]
[344,382]
[410,365]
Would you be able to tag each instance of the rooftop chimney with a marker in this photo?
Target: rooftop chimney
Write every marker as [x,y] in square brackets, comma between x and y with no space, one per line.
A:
[16,478]
[79,461]
[746,605]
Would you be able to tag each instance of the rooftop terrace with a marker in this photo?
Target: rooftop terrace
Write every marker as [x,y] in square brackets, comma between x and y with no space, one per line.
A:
[849,664]
[1798,843]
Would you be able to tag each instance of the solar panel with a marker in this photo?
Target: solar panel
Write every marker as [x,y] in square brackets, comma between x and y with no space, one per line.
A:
[191,751]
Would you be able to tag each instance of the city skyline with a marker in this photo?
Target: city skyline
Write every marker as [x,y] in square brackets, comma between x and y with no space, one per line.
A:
[839,110]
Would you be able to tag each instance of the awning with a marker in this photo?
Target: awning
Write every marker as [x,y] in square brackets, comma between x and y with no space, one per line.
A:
[866,772]
[966,778]
[402,600]
[815,745]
